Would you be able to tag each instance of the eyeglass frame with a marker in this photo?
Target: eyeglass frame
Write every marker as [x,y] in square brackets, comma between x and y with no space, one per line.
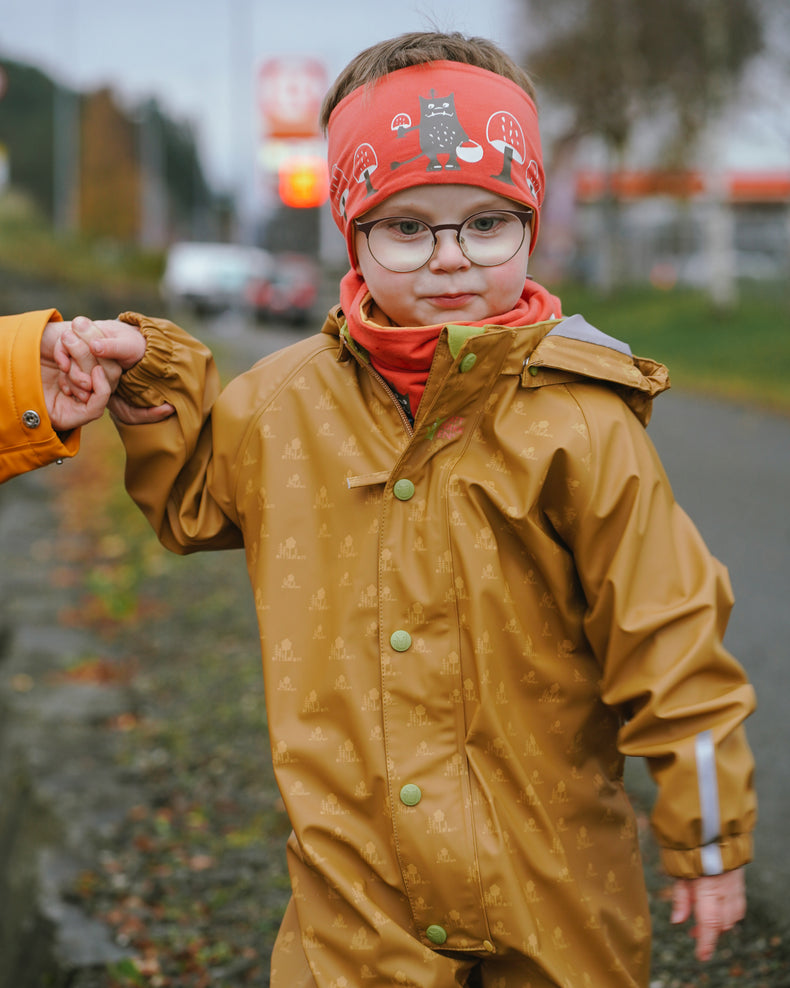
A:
[525,215]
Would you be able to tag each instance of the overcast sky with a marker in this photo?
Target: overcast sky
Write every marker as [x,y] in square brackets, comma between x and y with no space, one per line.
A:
[198,57]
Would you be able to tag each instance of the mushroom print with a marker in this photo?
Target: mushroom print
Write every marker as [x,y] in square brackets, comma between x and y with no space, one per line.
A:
[365,163]
[401,122]
[338,190]
[533,180]
[504,133]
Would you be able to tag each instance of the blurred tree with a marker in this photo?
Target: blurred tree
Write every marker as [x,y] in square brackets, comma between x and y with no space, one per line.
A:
[115,147]
[26,130]
[187,190]
[612,63]
[176,200]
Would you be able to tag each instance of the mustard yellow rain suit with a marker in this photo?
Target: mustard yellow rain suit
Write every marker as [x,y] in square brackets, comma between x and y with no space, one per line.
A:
[465,627]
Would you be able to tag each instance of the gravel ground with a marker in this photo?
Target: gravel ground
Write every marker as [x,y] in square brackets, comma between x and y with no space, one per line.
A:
[193,882]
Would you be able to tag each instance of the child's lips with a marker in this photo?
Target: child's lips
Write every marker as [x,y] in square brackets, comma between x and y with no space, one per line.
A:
[455,301]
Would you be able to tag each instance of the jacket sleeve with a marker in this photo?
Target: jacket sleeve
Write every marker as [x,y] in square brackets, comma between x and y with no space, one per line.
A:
[27,438]
[176,473]
[657,609]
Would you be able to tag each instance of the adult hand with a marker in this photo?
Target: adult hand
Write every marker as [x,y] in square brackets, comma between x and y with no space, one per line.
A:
[85,397]
[76,360]
[717,902]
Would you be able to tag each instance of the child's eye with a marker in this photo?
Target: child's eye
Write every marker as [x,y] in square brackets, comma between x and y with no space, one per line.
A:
[409,228]
[485,222]
[400,227]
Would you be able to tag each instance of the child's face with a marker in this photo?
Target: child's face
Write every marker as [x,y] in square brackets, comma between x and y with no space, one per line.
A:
[448,287]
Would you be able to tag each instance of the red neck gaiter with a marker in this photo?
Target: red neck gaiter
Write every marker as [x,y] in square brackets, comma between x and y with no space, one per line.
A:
[403,354]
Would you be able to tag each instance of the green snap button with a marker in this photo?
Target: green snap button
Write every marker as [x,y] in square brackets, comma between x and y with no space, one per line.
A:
[400,640]
[468,362]
[533,371]
[436,934]
[403,490]
[410,794]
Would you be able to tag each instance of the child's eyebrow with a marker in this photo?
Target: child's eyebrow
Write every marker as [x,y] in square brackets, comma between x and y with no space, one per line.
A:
[410,210]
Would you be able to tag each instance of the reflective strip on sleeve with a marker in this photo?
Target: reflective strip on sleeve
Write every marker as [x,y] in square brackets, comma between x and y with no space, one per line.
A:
[705,750]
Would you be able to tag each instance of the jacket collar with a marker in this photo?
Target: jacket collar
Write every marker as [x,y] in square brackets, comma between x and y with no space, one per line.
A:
[550,353]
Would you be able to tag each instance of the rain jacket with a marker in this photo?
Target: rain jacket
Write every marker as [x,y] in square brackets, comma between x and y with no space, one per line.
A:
[465,626]
[27,439]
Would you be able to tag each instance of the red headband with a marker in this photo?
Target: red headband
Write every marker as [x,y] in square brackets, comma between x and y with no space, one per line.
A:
[444,123]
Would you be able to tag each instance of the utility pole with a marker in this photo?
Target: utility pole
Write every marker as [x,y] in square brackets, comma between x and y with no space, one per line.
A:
[153,201]
[719,230]
[241,89]
[66,154]
[66,135]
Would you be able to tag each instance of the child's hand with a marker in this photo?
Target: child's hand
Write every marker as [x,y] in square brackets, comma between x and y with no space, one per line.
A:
[117,341]
[718,902]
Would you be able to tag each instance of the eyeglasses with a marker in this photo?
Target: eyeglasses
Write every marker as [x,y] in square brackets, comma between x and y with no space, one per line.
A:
[403,243]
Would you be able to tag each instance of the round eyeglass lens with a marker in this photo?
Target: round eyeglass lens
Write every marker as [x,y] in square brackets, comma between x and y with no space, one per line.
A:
[405,244]
[491,238]
[401,244]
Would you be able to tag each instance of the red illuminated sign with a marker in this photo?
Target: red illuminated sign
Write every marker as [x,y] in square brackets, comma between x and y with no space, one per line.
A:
[303,182]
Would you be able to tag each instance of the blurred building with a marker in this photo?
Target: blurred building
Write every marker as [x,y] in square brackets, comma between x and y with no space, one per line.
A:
[649,221]
[662,219]
[109,176]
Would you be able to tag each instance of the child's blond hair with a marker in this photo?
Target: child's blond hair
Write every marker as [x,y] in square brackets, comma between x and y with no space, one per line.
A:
[416,48]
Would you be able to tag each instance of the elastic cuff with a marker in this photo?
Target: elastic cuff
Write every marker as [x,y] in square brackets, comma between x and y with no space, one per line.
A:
[143,381]
[691,863]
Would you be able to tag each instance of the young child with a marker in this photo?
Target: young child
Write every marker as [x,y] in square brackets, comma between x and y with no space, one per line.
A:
[476,594]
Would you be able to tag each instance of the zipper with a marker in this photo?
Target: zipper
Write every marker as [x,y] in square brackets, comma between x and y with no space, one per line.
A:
[345,336]
[392,396]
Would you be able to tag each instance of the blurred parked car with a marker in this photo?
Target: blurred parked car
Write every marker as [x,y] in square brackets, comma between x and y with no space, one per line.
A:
[289,291]
[209,277]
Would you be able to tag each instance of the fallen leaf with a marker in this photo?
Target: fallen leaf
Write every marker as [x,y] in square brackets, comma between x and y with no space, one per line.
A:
[201,862]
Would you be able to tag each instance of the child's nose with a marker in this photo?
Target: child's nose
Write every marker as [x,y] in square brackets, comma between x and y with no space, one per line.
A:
[447,254]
